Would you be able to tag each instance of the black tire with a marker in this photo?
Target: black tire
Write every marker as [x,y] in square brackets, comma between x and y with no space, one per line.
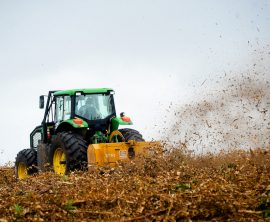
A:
[75,150]
[28,157]
[131,134]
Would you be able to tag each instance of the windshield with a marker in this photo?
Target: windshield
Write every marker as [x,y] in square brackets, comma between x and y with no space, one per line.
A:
[94,106]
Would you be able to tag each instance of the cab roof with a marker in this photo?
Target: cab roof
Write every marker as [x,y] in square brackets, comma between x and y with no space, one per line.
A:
[72,92]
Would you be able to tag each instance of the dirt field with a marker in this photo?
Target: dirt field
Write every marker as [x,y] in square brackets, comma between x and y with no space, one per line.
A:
[175,187]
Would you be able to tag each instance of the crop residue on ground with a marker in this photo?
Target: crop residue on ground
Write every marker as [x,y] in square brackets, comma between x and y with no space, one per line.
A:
[228,186]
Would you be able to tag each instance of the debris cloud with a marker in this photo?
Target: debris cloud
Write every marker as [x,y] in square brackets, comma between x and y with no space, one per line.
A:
[231,112]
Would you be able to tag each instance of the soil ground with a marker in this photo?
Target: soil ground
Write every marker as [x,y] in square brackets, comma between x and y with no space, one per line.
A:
[231,186]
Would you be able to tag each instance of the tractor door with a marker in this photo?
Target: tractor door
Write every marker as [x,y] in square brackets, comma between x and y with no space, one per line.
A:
[63,109]
[57,110]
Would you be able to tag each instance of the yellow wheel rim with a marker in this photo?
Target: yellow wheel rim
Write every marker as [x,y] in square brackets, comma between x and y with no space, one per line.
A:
[22,170]
[59,161]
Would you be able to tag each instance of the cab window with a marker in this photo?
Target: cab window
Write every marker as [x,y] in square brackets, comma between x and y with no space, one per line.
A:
[63,108]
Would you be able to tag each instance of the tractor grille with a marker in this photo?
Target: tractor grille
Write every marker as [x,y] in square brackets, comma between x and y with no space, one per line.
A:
[36,138]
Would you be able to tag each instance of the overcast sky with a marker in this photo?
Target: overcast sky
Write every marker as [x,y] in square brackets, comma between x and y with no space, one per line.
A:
[151,52]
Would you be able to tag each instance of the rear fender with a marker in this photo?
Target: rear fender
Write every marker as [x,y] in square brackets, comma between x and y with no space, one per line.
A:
[116,121]
[70,125]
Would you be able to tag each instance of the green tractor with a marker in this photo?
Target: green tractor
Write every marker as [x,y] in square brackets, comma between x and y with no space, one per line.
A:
[79,129]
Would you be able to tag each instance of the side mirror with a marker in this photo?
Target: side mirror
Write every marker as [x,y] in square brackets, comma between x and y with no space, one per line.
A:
[41,102]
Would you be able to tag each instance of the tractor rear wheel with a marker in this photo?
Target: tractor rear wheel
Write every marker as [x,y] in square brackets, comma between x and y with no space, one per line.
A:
[131,134]
[68,153]
[26,163]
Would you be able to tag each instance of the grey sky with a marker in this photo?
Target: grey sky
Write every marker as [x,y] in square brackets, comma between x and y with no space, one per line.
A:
[150,52]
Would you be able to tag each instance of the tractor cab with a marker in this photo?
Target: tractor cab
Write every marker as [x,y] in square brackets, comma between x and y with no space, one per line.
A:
[89,112]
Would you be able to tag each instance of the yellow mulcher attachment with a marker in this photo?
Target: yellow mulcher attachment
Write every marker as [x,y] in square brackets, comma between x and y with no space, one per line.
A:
[108,154]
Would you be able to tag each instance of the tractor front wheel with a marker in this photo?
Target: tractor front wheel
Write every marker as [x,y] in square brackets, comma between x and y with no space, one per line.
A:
[68,153]
[26,163]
